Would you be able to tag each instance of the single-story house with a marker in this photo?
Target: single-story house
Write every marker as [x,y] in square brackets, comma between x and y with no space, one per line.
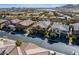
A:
[24,49]
[59,27]
[42,24]
[76,27]
[15,21]
[2,23]
[26,23]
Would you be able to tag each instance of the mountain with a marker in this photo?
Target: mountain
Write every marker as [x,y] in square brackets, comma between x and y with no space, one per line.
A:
[70,6]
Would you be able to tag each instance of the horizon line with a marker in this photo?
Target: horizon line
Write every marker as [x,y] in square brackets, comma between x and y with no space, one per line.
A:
[30,5]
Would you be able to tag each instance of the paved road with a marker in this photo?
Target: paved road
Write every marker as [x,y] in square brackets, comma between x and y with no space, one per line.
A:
[59,47]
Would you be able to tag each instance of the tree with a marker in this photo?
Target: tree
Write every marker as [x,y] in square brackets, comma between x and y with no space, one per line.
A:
[0,16]
[55,13]
[70,35]
[45,13]
[70,38]
[45,33]
[52,35]
[21,17]
[46,36]
[68,21]
[4,16]
[71,28]
[19,27]
[10,17]
[18,43]
[40,14]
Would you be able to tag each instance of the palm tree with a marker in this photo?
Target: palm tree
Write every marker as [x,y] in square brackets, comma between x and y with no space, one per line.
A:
[18,43]
[68,21]
[70,38]
[70,35]
[46,36]
[29,30]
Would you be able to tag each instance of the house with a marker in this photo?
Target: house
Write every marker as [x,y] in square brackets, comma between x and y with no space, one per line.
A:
[42,24]
[33,49]
[39,28]
[76,28]
[15,21]
[2,23]
[59,27]
[26,23]
[24,49]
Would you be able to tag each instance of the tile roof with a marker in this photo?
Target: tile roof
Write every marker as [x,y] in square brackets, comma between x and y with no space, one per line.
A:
[15,21]
[76,26]
[14,52]
[42,24]
[1,20]
[33,49]
[26,22]
[25,48]
[60,26]
[11,26]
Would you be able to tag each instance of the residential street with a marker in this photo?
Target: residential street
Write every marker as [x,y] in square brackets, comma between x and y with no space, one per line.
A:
[59,47]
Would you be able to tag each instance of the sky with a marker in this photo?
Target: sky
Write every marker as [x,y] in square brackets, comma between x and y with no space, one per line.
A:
[30,5]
